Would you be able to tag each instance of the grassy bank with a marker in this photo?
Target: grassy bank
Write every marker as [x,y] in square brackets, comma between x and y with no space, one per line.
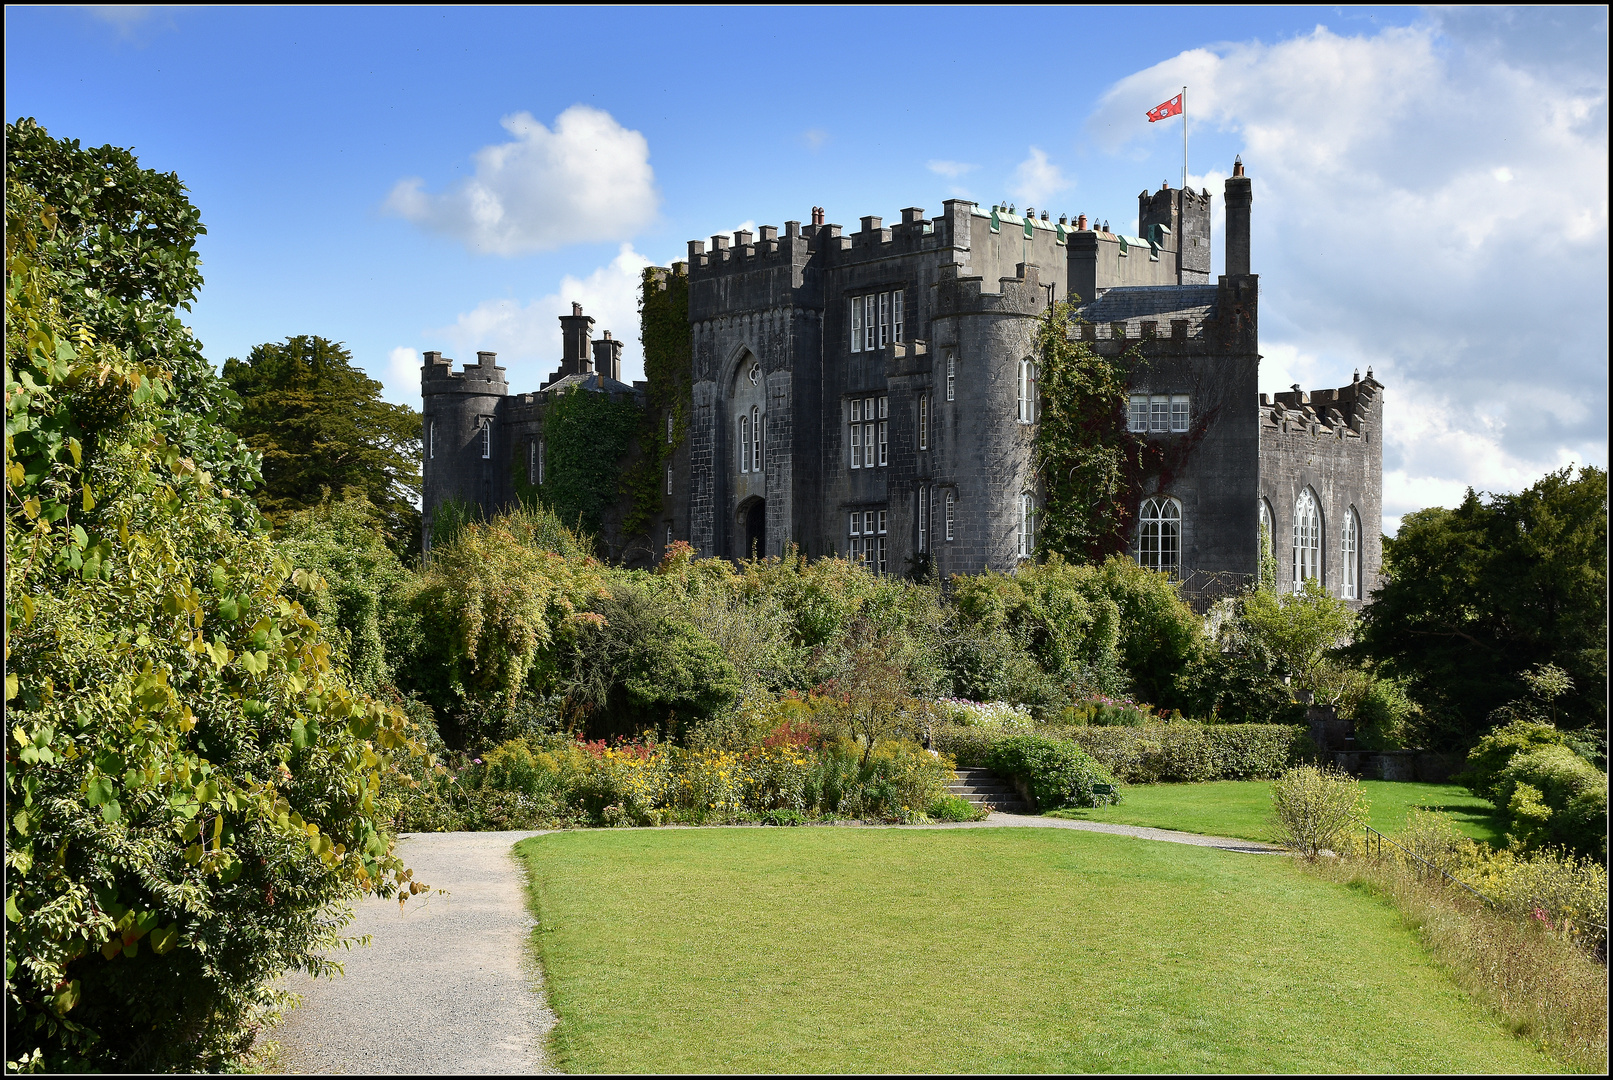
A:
[849,950]
[1242,808]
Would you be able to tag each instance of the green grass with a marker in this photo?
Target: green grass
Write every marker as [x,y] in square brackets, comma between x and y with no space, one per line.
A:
[1242,808]
[982,950]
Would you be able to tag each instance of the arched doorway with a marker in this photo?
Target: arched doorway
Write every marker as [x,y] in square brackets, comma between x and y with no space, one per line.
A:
[753,529]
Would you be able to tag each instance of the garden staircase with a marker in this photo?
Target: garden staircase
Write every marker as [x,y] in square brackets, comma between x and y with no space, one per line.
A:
[985,788]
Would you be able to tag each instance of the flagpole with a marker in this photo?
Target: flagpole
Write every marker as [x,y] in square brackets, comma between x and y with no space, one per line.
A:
[1184,138]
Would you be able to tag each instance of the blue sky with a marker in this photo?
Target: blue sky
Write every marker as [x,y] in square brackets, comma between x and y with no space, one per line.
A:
[1430,185]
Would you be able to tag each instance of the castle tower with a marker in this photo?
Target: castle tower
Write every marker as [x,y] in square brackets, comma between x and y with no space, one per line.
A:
[1178,222]
[460,440]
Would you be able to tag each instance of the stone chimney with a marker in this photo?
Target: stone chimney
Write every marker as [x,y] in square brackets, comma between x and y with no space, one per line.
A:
[1239,198]
[576,333]
[608,357]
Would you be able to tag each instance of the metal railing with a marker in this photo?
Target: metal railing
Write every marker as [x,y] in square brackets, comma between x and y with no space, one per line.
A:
[1380,839]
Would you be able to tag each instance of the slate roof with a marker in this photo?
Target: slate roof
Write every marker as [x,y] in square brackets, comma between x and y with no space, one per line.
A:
[1131,304]
[592,381]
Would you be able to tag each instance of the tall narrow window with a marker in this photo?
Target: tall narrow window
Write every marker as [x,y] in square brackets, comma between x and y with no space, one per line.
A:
[744,444]
[868,433]
[884,319]
[952,377]
[669,429]
[1159,413]
[669,479]
[1027,391]
[1159,535]
[542,443]
[884,432]
[854,545]
[949,516]
[431,439]
[920,507]
[924,422]
[756,440]
[1027,526]
[857,324]
[879,561]
[856,433]
[1307,538]
[1139,412]
[532,462]
[487,438]
[668,538]
[1350,556]
[869,315]
[896,315]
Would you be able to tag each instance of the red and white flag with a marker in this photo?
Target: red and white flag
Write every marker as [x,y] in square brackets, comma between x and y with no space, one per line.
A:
[1173,107]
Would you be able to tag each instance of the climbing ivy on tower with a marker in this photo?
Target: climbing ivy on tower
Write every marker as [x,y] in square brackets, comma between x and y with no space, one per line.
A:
[586,435]
[669,371]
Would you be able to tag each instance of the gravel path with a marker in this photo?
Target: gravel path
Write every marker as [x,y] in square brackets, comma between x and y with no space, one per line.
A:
[446,986]
[1169,836]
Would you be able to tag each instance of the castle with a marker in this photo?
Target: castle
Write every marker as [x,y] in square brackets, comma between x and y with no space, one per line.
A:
[875,395]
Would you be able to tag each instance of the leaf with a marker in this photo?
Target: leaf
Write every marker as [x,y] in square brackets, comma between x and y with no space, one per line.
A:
[101,791]
[229,609]
[164,939]
[11,685]
[111,811]
[12,912]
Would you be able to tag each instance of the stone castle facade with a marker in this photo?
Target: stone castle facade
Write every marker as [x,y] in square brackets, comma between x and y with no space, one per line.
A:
[875,395]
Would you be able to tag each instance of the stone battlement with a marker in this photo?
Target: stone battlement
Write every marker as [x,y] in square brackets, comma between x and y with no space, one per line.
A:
[1347,412]
[437,374]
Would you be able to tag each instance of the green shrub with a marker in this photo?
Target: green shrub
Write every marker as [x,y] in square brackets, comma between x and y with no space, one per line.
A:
[1056,772]
[956,808]
[1186,751]
[1554,796]
[1318,810]
[1384,716]
[1487,761]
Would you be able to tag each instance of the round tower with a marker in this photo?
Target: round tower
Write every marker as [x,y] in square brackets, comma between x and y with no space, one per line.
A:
[460,443]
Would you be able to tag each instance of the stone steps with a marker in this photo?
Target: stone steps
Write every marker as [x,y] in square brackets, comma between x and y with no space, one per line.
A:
[985,788]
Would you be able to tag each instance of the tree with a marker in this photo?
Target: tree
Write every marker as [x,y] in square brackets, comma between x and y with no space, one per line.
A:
[193,790]
[1475,597]
[123,244]
[323,430]
[1303,632]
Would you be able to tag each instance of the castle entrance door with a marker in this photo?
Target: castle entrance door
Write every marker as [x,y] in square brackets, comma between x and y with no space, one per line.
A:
[755,531]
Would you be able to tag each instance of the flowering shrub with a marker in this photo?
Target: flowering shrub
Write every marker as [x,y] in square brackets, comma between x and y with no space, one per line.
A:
[987,714]
[1108,712]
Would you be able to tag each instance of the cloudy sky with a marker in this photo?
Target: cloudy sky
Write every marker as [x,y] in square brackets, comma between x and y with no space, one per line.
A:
[1430,184]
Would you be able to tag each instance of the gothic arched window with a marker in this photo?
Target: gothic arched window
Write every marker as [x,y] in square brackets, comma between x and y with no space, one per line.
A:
[1350,555]
[1307,538]
[744,443]
[756,442]
[1159,534]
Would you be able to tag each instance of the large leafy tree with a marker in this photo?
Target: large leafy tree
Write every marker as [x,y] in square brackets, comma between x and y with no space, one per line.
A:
[1477,596]
[324,431]
[124,249]
[192,787]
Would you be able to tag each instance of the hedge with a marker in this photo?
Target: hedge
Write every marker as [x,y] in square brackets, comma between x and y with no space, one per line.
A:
[1153,753]
[1055,772]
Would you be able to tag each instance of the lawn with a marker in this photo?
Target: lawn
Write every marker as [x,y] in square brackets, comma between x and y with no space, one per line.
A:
[984,950]
[1242,808]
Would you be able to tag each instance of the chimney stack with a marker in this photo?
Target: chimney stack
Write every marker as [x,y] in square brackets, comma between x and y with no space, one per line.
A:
[608,357]
[576,335]
[1239,198]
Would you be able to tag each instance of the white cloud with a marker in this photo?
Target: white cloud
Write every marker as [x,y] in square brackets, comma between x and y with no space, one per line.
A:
[527,336]
[1037,179]
[743,226]
[587,180]
[401,379]
[1435,210]
[949,169]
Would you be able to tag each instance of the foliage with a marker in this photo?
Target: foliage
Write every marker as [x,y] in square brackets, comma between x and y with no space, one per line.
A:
[1476,596]
[1552,796]
[1302,631]
[192,786]
[1107,712]
[586,436]
[1057,616]
[485,615]
[360,582]
[873,695]
[1081,443]
[956,808]
[641,665]
[321,427]
[1488,760]
[985,714]
[1385,717]
[1056,773]
[1240,680]
[1185,751]
[1163,643]
[1318,810]
[124,247]
[669,380]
